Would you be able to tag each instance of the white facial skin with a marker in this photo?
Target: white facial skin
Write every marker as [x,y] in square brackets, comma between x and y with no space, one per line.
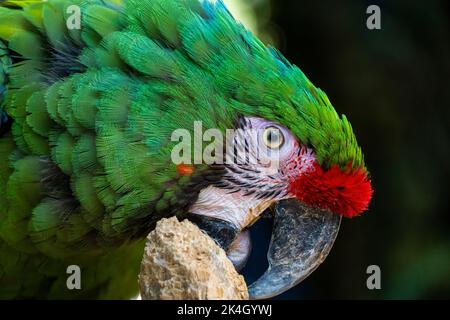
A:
[262,159]
[259,174]
[271,144]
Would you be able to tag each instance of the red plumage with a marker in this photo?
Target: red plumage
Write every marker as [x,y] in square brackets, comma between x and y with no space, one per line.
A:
[345,192]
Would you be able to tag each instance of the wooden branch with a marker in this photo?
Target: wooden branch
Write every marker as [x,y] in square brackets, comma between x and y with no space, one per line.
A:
[181,262]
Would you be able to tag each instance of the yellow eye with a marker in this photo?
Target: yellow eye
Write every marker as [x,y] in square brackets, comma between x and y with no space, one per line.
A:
[273,138]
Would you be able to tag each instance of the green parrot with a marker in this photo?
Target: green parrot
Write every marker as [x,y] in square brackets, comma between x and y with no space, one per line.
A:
[92,94]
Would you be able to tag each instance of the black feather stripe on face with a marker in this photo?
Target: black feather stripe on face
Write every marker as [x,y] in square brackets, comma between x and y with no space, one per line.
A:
[244,175]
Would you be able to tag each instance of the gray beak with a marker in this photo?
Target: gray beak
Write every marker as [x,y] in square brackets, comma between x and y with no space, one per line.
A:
[302,237]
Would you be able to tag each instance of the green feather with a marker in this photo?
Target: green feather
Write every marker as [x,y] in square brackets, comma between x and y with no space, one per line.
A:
[62,147]
[38,118]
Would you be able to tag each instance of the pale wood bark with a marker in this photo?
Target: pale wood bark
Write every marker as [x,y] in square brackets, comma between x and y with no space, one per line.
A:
[181,262]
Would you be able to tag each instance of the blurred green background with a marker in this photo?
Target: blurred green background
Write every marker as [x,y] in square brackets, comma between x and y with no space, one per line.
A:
[394,86]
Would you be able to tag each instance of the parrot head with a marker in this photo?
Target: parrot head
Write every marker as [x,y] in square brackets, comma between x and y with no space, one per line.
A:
[292,157]
[272,169]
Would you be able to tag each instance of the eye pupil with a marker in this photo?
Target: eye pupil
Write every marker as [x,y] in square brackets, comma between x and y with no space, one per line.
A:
[273,138]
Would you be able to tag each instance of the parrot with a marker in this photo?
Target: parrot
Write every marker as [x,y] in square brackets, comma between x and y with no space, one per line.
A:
[91,93]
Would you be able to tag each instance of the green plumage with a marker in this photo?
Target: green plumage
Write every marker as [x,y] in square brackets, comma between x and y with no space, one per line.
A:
[86,169]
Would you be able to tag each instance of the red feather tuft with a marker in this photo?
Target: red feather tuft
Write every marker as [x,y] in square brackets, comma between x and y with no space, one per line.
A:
[185,170]
[346,193]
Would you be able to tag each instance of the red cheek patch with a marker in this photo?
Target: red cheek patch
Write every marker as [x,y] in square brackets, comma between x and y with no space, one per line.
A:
[345,193]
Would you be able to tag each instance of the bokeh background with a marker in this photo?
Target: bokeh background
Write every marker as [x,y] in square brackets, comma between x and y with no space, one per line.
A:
[394,86]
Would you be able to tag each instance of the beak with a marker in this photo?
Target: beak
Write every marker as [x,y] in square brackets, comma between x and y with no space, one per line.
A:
[302,237]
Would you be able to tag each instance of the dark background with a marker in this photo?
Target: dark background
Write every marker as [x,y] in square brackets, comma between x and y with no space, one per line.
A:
[394,86]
